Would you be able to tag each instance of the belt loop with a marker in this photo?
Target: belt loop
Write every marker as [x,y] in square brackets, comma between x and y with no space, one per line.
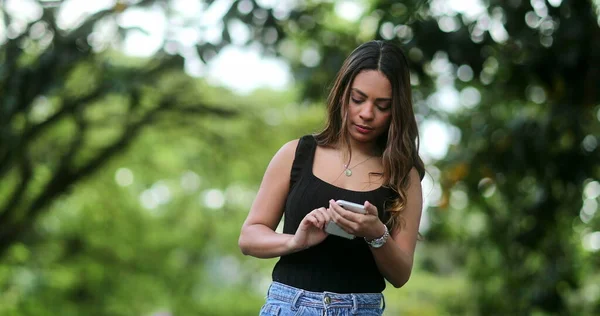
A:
[354,305]
[383,303]
[296,299]
[269,290]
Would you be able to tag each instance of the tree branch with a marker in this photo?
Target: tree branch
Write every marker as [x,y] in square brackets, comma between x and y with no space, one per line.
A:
[6,159]
[65,177]
[10,208]
[201,109]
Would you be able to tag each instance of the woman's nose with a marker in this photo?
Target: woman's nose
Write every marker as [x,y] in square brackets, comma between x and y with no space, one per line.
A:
[366,112]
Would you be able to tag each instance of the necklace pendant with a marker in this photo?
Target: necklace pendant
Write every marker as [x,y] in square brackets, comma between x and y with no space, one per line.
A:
[348,172]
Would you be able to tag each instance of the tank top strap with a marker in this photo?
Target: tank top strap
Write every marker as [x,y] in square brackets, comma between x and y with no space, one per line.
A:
[304,157]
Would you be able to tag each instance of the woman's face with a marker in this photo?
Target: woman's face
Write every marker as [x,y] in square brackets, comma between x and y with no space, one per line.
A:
[369,107]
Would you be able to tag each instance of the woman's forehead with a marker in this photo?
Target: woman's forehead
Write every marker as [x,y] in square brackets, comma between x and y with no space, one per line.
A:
[373,84]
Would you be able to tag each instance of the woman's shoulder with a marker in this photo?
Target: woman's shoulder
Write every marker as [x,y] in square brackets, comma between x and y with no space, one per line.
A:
[291,146]
[414,177]
[284,157]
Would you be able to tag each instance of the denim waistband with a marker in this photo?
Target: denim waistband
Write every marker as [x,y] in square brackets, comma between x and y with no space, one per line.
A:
[297,297]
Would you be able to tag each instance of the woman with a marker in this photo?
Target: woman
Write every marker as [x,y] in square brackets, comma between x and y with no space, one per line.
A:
[367,154]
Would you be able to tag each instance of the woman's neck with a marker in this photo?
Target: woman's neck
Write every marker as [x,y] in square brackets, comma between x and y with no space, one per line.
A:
[360,149]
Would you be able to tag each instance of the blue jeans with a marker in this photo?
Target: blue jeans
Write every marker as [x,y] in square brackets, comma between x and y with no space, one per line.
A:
[285,300]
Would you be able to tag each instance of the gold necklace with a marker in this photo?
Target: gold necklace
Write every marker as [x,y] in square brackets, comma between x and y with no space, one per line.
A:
[348,170]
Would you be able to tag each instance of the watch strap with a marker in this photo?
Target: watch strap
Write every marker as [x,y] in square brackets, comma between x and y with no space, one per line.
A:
[378,242]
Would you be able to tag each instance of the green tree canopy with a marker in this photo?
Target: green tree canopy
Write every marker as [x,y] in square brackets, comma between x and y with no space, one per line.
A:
[515,81]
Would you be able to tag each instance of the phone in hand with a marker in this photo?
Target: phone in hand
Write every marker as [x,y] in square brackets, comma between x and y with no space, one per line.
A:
[333,229]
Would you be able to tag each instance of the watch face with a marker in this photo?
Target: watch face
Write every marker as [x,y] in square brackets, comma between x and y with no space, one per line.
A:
[377,243]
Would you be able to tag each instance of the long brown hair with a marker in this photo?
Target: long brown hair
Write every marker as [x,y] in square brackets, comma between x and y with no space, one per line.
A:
[400,146]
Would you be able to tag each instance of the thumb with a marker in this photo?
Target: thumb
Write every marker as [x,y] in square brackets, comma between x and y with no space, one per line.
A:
[371,209]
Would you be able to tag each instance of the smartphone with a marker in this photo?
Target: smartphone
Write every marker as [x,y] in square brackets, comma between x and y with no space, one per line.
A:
[333,229]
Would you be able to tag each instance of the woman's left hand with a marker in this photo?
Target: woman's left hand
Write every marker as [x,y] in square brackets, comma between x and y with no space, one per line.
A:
[362,225]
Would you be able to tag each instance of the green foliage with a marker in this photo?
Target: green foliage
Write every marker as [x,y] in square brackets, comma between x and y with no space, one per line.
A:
[124,181]
[109,250]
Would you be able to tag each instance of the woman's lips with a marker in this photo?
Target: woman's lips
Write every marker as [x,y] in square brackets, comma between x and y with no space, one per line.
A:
[363,129]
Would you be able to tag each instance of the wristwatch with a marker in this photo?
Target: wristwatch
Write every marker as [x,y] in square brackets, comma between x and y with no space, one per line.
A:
[378,242]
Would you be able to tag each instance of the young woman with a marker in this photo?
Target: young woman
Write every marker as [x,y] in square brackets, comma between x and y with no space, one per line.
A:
[367,154]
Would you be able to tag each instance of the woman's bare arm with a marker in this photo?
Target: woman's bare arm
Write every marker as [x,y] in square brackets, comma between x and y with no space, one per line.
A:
[258,237]
[395,258]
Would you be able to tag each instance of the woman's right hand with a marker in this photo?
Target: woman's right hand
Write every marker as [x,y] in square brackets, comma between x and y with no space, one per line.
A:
[311,230]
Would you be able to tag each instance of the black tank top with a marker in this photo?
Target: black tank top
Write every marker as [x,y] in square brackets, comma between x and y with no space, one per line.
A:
[337,264]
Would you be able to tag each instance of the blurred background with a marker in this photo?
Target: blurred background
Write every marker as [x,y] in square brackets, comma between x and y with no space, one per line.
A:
[134,135]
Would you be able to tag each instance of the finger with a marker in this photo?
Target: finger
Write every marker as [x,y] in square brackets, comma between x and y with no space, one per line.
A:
[320,218]
[371,209]
[312,220]
[345,224]
[349,215]
[325,214]
[335,206]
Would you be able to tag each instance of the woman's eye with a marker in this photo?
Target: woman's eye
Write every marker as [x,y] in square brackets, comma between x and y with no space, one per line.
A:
[356,100]
[383,108]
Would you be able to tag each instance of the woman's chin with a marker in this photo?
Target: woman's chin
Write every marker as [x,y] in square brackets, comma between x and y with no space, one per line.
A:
[363,137]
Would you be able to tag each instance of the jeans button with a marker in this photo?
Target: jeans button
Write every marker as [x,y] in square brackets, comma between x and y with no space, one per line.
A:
[327,300]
